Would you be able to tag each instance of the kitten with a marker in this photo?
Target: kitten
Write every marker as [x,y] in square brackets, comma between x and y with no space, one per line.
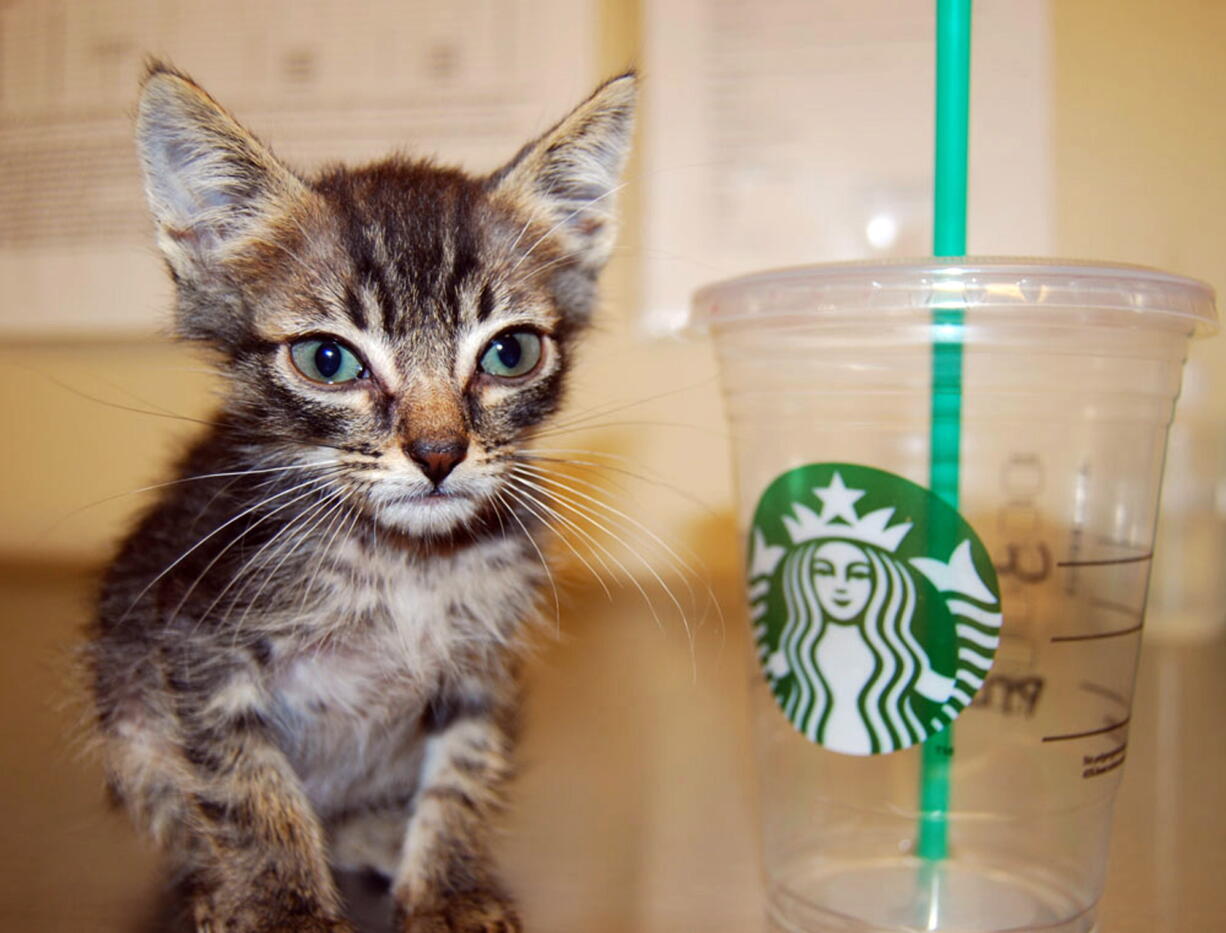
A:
[305,654]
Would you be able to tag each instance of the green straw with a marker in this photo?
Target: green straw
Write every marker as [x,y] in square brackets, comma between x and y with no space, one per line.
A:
[948,239]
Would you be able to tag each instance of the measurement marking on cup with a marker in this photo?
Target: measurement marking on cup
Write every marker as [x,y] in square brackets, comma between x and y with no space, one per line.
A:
[1110,607]
[1085,735]
[1104,563]
[1094,765]
[1097,635]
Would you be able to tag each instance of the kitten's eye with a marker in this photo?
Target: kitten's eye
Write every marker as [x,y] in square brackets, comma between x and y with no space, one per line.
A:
[321,359]
[514,353]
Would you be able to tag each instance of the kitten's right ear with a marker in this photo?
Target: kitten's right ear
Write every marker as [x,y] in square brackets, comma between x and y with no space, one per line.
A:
[209,182]
[569,176]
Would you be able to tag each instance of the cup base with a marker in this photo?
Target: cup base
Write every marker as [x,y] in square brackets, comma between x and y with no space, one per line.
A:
[909,895]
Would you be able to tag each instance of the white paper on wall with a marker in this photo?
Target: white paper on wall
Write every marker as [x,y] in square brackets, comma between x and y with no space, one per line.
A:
[780,132]
[322,80]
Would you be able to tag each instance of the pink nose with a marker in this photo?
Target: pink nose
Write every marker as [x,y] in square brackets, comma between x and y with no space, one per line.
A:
[437,457]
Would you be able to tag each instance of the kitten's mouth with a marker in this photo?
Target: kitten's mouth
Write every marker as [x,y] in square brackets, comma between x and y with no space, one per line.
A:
[420,496]
[438,494]
[436,498]
[433,499]
[425,512]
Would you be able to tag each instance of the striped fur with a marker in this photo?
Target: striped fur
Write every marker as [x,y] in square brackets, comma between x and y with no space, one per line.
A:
[305,654]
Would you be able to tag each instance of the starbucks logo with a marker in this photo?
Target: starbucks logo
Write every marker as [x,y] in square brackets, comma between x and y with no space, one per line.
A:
[875,607]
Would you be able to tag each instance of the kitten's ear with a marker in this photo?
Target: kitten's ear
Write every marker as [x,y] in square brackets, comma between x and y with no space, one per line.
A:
[209,182]
[570,175]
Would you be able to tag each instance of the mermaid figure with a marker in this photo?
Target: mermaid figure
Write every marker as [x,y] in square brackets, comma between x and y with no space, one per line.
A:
[850,611]
[867,652]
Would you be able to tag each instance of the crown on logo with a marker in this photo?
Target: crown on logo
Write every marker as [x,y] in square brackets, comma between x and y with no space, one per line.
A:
[839,519]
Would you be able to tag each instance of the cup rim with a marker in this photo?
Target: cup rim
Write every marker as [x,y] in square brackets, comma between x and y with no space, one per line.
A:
[1001,283]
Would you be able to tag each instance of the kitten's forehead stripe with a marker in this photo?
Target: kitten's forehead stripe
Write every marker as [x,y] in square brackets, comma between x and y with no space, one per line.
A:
[485,303]
[427,255]
[371,274]
[465,262]
[412,232]
[353,307]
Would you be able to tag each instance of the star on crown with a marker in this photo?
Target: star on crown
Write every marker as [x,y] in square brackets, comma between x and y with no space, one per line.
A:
[839,519]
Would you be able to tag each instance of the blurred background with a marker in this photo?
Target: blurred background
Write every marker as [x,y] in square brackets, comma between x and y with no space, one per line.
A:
[774,132]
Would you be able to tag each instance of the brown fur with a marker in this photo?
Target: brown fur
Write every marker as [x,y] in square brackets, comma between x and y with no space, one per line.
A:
[305,653]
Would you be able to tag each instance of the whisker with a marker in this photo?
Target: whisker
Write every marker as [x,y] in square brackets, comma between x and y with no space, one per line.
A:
[295,441]
[557,602]
[604,506]
[178,560]
[645,477]
[336,522]
[176,482]
[315,485]
[111,384]
[589,516]
[595,544]
[633,525]
[321,512]
[300,525]
[120,407]
[553,513]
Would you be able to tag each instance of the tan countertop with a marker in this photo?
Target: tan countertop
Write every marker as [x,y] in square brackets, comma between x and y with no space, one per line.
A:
[634,812]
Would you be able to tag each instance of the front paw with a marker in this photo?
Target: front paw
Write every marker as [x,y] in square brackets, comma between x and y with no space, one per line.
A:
[483,911]
[214,924]
[262,918]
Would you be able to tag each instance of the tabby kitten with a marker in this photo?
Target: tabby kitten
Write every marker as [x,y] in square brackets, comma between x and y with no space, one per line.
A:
[304,656]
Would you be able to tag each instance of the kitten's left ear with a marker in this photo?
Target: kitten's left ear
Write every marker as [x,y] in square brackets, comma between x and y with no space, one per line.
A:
[569,176]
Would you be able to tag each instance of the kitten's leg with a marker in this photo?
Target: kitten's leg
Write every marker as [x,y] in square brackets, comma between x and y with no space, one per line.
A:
[258,863]
[446,879]
[269,870]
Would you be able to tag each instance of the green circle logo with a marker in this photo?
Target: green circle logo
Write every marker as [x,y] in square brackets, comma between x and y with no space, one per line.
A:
[875,607]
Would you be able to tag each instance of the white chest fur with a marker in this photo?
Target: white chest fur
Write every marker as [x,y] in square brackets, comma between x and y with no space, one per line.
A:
[348,703]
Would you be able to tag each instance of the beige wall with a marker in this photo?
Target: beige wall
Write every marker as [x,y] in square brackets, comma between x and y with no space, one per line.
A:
[78,438]
[1140,160]
[1140,141]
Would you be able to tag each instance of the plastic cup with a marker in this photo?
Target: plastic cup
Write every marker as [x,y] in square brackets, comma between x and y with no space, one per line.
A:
[880,615]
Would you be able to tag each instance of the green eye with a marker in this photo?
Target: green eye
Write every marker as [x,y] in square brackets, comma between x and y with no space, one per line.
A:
[322,359]
[515,353]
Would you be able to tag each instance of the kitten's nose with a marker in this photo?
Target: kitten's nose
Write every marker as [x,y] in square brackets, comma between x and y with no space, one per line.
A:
[437,457]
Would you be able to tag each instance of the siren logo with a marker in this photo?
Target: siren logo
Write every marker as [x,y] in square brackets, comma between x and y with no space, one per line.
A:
[875,607]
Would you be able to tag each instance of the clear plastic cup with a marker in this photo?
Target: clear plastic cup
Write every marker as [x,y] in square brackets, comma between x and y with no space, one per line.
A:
[884,620]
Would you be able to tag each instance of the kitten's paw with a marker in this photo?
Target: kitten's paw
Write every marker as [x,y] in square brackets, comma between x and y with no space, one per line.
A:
[470,912]
[271,925]
[209,920]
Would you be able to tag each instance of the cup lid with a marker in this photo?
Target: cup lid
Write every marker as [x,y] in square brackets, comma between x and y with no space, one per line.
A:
[981,283]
